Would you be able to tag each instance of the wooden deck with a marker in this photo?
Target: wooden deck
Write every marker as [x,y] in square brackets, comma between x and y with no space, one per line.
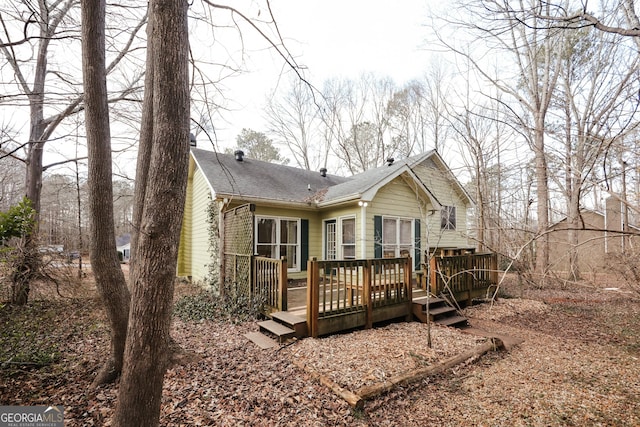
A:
[347,294]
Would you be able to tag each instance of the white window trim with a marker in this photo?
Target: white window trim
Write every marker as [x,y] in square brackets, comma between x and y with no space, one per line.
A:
[339,244]
[298,237]
[355,236]
[397,244]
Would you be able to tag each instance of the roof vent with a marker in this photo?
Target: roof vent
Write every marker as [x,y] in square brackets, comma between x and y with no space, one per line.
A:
[390,161]
[323,172]
[239,155]
[192,140]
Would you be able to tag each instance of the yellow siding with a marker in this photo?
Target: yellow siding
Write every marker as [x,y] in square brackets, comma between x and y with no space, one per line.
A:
[437,182]
[201,257]
[352,210]
[394,199]
[184,247]
[315,225]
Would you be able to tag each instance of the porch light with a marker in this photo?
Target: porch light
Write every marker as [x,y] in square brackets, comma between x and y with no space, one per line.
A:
[363,204]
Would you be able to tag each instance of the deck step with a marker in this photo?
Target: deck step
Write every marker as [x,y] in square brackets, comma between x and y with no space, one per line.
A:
[457,321]
[293,321]
[281,331]
[427,300]
[436,311]
[288,318]
[261,340]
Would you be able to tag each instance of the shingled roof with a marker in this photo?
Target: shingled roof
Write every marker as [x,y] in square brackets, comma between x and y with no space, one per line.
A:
[255,179]
[252,179]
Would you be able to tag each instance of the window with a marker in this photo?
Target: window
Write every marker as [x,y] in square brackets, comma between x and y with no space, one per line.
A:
[340,238]
[397,237]
[448,218]
[349,238]
[331,245]
[278,237]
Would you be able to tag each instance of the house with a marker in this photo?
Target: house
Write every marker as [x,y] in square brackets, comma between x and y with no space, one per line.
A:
[238,206]
[123,246]
[599,238]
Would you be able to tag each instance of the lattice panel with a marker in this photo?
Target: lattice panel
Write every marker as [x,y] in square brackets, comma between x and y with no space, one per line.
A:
[238,248]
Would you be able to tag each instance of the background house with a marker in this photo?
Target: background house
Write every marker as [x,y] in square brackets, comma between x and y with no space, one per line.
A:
[402,208]
[123,246]
[599,238]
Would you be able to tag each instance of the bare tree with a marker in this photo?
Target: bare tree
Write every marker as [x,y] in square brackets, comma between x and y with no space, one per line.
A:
[32,34]
[11,181]
[480,129]
[147,350]
[532,50]
[436,92]
[619,17]
[407,119]
[109,277]
[294,119]
[598,102]
[357,115]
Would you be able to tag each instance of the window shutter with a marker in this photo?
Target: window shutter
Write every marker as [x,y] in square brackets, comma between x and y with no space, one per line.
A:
[377,236]
[304,244]
[417,257]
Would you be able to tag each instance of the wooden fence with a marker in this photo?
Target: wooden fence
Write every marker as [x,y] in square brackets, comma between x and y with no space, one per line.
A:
[465,276]
[346,294]
[270,282]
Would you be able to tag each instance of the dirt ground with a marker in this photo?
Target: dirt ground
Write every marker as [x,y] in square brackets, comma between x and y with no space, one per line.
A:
[578,365]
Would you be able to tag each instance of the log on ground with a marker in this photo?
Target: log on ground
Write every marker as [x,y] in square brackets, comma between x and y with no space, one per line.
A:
[367,392]
[352,399]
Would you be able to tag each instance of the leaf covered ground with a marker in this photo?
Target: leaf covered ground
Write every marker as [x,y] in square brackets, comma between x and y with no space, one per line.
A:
[578,365]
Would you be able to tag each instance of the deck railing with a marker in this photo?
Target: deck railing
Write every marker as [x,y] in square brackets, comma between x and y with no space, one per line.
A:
[270,282]
[343,287]
[463,275]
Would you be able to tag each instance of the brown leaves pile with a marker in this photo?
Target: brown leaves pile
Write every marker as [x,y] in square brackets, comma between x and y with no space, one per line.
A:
[371,356]
[578,365]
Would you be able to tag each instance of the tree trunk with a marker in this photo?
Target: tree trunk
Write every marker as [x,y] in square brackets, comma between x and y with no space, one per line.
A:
[144,148]
[109,277]
[28,267]
[542,193]
[147,349]
[572,184]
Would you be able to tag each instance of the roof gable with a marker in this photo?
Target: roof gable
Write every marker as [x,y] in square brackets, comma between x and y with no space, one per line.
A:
[365,185]
[585,213]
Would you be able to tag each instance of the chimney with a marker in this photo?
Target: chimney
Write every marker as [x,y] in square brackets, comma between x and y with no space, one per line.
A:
[323,172]
[192,140]
[390,161]
[239,155]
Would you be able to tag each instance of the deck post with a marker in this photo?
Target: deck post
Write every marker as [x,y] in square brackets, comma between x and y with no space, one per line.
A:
[313,297]
[408,279]
[470,277]
[366,293]
[282,284]
[433,280]
[494,269]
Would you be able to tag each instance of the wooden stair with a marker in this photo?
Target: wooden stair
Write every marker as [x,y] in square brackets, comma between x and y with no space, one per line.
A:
[437,310]
[282,327]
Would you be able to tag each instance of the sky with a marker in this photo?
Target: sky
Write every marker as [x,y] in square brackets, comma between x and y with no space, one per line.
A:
[330,38]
